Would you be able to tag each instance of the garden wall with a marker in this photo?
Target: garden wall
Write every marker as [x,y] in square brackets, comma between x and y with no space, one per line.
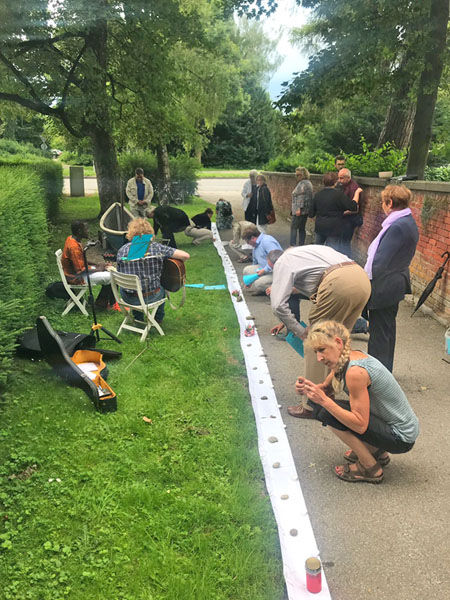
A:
[431,210]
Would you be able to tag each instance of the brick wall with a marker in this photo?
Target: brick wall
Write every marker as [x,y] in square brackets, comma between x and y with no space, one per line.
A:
[430,207]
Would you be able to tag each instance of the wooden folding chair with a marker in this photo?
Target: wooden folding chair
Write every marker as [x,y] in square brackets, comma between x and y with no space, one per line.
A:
[76,292]
[132,282]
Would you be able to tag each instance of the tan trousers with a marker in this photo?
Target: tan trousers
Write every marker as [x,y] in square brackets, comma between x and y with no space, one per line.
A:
[258,287]
[199,235]
[341,297]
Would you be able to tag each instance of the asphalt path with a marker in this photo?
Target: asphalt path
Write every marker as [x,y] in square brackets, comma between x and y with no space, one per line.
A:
[384,542]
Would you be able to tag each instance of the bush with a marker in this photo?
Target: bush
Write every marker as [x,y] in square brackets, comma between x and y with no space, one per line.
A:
[366,164]
[437,173]
[183,170]
[23,246]
[50,179]
[10,147]
[77,158]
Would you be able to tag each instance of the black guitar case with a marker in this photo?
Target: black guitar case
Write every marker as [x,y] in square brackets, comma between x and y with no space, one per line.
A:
[69,368]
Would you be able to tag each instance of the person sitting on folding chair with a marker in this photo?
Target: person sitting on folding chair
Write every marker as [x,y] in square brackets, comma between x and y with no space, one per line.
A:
[72,261]
[148,268]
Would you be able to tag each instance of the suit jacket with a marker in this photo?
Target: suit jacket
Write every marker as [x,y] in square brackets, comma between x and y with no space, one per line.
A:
[170,220]
[390,269]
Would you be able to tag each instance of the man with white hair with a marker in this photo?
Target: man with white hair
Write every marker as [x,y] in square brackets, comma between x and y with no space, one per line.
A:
[352,219]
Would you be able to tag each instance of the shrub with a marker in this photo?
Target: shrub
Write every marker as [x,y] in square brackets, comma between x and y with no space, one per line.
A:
[183,169]
[10,147]
[438,173]
[76,158]
[23,246]
[368,163]
[50,179]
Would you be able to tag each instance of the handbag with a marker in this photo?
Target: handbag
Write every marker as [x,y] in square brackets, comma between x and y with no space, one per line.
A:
[271,218]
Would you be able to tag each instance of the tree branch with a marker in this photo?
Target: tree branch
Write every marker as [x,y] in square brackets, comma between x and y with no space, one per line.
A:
[70,78]
[21,78]
[39,43]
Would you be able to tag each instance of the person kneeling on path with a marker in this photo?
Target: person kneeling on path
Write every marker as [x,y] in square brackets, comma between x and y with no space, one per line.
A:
[337,287]
[148,268]
[262,244]
[377,420]
[238,244]
[72,261]
[200,227]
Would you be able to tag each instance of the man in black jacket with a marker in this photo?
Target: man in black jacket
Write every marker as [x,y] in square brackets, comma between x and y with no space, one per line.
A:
[170,220]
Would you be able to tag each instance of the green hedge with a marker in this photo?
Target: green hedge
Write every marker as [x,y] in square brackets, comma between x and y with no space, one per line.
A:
[23,248]
[183,169]
[366,164]
[50,179]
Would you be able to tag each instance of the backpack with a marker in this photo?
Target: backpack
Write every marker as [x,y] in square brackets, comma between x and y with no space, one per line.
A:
[226,209]
[56,290]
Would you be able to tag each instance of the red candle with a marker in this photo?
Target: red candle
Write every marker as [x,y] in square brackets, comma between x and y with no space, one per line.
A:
[313,575]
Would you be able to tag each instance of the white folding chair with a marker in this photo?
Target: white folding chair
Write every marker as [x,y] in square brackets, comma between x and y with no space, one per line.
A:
[132,282]
[76,292]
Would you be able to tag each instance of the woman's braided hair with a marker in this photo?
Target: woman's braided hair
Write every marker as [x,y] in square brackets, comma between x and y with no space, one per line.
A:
[323,333]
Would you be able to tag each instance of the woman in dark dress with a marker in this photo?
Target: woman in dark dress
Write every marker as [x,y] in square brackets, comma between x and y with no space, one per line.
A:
[264,204]
[328,206]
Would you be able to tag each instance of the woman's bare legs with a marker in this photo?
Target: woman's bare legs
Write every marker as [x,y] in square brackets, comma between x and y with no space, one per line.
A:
[362,451]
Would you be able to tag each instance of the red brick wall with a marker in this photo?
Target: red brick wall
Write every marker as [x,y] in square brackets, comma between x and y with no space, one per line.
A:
[430,207]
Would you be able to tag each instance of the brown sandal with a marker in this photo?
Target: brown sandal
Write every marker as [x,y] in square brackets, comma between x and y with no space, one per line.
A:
[361,473]
[383,460]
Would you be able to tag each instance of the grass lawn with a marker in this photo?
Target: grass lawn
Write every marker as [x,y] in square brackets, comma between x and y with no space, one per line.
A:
[112,507]
[88,171]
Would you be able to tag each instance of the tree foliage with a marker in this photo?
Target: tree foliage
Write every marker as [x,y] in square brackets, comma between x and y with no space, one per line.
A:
[127,73]
[376,49]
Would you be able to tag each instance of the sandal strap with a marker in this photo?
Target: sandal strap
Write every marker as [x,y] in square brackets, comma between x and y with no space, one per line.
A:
[370,472]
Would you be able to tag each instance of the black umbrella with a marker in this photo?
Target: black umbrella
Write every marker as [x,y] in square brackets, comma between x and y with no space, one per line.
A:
[430,287]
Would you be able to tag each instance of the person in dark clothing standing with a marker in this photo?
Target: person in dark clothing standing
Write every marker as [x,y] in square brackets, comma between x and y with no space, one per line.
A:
[387,266]
[170,220]
[264,204]
[352,219]
[249,192]
[328,206]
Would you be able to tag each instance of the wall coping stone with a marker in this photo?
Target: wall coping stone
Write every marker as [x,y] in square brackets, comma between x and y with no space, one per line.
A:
[425,186]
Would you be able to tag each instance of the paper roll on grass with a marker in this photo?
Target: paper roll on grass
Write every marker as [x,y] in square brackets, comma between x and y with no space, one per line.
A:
[249,279]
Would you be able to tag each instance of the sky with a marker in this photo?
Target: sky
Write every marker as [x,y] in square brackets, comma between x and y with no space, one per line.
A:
[286,16]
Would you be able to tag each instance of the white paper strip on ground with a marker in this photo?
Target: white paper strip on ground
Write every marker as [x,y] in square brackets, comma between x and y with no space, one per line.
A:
[291,512]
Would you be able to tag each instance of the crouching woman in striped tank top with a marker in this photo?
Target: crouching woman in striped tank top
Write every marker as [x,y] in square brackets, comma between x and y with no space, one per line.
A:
[376,421]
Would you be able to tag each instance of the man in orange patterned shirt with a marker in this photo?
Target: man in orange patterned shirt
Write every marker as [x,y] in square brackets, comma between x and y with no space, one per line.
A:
[75,270]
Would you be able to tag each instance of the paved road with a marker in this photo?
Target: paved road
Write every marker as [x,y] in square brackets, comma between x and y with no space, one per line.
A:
[210,189]
[386,542]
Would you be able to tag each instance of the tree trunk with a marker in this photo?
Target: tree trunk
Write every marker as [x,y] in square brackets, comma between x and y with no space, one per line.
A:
[398,124]
[163,172]
[97,118]
[428,88]
[106,167]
